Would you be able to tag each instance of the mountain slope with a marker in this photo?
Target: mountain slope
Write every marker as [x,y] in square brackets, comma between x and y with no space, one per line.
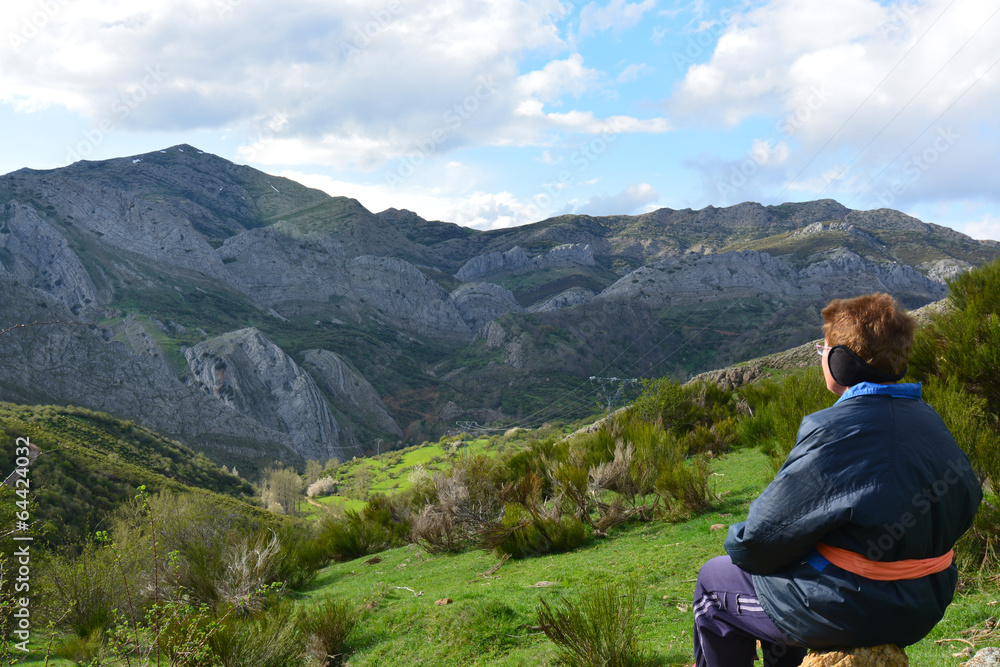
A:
[170,253]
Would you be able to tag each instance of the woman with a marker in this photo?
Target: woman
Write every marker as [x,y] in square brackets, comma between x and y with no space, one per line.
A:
[850,545]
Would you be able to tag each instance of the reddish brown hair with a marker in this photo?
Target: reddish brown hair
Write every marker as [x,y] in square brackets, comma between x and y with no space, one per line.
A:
[874,327]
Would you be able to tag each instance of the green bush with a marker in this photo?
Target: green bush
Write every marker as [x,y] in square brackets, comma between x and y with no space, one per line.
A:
[300,556]
[82,650]
[957,356]
[775,408]
[327,626]
[601,629]
[964,342]
[521,533]
[269,638]
[379,526]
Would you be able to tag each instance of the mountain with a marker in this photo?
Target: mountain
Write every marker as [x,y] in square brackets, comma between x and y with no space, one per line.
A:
[255,319]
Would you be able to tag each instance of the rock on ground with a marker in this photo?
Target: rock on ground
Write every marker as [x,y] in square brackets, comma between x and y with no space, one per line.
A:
[875,656]
[987,657]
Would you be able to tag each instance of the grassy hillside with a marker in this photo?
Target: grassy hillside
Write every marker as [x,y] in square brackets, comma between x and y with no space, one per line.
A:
[492,619]
[90,463]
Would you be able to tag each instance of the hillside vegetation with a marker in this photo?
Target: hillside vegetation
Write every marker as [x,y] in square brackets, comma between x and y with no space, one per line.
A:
[477,550]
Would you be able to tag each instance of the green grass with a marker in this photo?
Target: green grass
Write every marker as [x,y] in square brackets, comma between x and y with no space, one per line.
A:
[491,621]
[91,462]
[389,473]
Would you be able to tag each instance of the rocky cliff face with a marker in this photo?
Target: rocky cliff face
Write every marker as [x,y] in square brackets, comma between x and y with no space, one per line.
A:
[516,260]
[248,373]
[351,392]
[66,363]
[480,303]
[35,254]
[696,278]
[281,267]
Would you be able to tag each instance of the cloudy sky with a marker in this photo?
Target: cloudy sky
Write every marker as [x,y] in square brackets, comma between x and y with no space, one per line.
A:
[492,113]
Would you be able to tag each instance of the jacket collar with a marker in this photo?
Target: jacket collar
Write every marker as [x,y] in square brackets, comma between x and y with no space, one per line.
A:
[907,390]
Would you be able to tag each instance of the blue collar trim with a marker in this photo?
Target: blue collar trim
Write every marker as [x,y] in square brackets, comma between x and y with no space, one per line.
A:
[908,390]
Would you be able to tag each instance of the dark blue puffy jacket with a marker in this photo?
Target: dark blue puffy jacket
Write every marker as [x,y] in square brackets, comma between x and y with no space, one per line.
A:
[880,475]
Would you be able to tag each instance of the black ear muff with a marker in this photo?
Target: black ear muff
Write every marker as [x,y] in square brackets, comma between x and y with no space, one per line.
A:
[848,369]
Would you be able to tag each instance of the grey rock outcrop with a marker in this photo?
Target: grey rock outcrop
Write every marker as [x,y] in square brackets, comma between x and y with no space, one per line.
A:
[350,391]
[480,303]
[35,254]
[819,228]
[942,270]
[516,261]
[135,225]
[493,262]
[283,268]
[253,376]
[574,296]
[987,657]
[732,275]
[402,295]
[72,364]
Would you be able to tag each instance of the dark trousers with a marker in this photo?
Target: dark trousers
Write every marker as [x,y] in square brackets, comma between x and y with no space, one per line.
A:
[728,621]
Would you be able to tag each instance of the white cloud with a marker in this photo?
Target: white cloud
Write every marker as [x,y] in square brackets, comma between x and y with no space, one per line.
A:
[482,210]
[635,71]
[633,199]
[617,15]
[548,158]
[854,83]
[557,78]
[357,85]
[764,153]
[987,228]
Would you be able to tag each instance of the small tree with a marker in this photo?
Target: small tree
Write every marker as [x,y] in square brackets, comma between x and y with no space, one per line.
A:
[281,487]
[313,470]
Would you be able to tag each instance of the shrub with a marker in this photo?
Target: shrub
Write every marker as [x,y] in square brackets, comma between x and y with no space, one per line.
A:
[468,500]
[328,626]
[91,588]
[601,630]
[520,533]
[300,556]
[269,638]
[957,356]
[684,487]
[379,526]
[324,486]
[82,650]
[775,409]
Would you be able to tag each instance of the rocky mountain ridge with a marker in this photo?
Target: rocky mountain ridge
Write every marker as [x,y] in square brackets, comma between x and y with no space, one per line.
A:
[256,318]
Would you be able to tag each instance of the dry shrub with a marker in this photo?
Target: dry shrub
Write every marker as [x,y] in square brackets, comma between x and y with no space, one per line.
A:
[601,629]
[468,501]
[521,533]
[328,626]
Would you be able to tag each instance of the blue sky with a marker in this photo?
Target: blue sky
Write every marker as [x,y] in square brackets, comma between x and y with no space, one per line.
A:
[492,113]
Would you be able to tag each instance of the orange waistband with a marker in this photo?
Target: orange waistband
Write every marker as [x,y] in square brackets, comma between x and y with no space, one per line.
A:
[885,571]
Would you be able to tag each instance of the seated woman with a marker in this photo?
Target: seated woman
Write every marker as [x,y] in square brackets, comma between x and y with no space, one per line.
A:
[851,544]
